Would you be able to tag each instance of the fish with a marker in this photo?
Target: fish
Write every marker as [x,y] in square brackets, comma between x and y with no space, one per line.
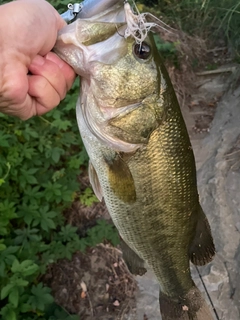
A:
[141,159]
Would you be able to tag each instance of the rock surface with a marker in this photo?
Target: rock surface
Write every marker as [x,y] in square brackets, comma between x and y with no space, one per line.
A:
[218,163]
[219,189]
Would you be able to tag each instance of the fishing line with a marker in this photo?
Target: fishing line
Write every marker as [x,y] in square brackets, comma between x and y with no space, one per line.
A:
[208,295]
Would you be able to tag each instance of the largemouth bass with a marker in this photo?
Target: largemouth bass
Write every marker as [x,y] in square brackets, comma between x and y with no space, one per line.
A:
[141,159]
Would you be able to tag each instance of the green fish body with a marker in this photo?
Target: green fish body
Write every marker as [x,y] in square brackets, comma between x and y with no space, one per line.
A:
[141,159]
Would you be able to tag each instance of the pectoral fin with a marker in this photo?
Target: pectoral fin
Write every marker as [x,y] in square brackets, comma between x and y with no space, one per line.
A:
[202,249]
[95,181]
[120,179]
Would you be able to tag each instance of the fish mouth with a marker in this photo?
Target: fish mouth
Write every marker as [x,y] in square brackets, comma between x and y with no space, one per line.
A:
[99,34]
[88,44]
[98,38]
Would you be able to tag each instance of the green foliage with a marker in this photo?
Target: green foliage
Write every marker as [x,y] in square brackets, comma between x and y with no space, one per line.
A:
[211,19]
[103,230]
[167,49]
[39,163]
[88,197]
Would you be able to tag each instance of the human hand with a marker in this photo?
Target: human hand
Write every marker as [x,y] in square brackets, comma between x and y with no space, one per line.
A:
[33,80]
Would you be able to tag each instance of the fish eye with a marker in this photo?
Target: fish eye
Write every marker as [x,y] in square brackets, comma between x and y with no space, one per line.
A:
[142,50]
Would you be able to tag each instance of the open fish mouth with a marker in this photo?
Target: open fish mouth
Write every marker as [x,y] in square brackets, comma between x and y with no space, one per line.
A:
[96,23]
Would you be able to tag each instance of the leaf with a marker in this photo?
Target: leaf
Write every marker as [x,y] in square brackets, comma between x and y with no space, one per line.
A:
[26,236]
[27,177]
[68,196]
[58,174]
[10,315]
[61,124]
[29,132]
[7,312]
[83,245]
[32,170]
[11,249]
[3,231]
[21,283]
[26,263]
[4,139]
[41,297]
[56,153]
[14,297]
[25,268]
[31,180]
[75,162]
[7,258]
[30,269]
[15,266]
[103,231]
[47,224]
[28,152]
[7,210]
[67,233]
[115,239]
[52,190]
[44,218]
[2,268]
[2,246]
[88,197]
[28,212]
[6,290]
[24,307]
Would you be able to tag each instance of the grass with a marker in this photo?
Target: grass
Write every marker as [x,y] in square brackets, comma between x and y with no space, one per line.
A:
[209,19]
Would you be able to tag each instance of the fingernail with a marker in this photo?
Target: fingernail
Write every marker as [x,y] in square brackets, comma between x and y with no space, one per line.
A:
[38,61]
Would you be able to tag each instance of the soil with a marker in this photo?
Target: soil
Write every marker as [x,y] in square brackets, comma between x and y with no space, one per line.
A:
[95,284]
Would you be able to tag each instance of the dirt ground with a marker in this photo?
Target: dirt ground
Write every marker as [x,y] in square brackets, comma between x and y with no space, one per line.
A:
[95,284]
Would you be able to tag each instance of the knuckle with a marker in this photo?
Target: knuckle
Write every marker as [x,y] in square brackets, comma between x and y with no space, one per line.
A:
[14,91]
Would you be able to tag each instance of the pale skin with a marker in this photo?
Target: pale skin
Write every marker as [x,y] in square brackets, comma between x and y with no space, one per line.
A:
[33,80]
